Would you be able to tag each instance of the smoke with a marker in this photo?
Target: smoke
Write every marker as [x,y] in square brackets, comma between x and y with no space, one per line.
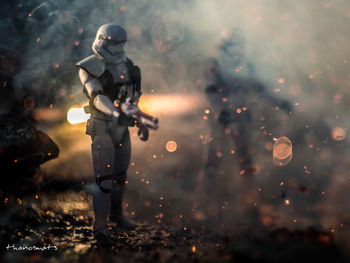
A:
[299,50]
[305,44]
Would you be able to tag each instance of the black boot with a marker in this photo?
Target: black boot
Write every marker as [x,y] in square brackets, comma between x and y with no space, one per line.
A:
[116,212]
[103,237]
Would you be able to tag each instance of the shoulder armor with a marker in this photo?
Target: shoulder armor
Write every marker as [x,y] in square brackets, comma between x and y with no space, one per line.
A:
[93,65]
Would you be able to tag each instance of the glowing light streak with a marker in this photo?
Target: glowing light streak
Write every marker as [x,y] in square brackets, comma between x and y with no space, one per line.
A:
[165,104]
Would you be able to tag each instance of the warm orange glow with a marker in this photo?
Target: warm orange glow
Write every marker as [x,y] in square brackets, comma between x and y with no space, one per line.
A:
[48,114]
[194,249]
[166,104]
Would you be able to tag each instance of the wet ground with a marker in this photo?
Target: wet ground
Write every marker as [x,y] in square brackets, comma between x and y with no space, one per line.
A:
[61,223]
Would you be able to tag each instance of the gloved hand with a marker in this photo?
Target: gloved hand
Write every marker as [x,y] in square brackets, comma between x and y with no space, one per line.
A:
[143,133]
[129,107]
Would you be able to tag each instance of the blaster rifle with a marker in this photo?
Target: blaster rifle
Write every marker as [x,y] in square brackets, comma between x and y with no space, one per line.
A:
[142,120]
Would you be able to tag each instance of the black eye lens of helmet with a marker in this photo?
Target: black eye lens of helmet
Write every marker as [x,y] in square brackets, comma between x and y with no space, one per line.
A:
[114,42]
[110,41]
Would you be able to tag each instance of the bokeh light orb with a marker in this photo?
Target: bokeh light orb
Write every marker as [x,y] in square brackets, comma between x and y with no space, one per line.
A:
[171,146]
[282,151]
[338,134]
[64,17]
[29,103]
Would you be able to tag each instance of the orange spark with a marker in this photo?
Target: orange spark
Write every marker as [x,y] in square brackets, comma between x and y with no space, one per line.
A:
[281,80]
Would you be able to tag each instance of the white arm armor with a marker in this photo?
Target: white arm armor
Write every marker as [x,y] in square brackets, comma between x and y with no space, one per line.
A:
[94,89]
[104,104]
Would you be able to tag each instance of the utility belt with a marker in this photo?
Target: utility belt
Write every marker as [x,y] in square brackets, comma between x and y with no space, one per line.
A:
[123,119]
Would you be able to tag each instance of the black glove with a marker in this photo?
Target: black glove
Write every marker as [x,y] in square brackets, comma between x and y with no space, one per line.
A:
[143,133]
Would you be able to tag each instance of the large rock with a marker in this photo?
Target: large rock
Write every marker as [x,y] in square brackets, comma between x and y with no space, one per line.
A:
[23,148]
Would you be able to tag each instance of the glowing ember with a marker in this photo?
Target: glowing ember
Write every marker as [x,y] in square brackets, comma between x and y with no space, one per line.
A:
[281,80]
[77,115]
[238,69]
[171,146]
[282,151]
[338,134]
[194,249]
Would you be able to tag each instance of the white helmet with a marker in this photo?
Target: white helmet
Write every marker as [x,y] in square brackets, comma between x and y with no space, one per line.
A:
[109,43]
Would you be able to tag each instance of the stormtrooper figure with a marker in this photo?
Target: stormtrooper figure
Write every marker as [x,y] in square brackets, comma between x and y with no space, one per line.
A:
[108,77]
[232,89]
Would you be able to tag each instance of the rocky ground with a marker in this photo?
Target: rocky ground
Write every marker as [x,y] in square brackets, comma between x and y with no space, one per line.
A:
[63,219]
